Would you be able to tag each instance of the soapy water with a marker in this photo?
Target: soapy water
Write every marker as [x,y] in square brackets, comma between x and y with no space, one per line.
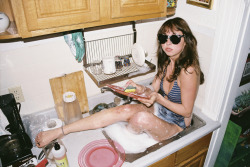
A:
[132,143]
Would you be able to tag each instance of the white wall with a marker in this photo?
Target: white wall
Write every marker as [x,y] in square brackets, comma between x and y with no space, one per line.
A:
[31,64]
[201,19]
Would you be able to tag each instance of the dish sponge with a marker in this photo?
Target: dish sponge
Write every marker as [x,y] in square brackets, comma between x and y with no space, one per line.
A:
[130,89]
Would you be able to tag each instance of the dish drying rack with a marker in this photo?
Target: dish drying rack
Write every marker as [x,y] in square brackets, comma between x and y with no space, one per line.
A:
[121,46]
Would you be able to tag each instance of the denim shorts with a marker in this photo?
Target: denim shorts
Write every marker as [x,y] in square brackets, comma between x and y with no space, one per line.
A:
[169,116]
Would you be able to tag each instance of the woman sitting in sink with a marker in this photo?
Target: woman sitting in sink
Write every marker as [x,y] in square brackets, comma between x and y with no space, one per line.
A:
[172,93]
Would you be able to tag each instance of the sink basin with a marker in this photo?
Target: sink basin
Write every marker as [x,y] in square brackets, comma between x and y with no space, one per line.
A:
[130,157]
[196,124]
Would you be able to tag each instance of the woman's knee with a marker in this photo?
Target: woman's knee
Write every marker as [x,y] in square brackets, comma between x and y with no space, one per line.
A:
[140,119]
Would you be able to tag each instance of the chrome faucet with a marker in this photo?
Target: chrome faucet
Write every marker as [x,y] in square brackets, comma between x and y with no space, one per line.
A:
[127,100]
[103,89]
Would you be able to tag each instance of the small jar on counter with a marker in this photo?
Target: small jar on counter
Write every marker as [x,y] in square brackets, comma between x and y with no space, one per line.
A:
[71,108]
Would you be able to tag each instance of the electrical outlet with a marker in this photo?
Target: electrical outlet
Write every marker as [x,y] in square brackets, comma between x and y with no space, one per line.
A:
[18,93]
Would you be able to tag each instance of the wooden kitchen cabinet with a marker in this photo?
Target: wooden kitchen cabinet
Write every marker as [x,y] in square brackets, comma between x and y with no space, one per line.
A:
[41,17]
[134,8]
[43,14]
[193,155]
[168,161]
[195,161]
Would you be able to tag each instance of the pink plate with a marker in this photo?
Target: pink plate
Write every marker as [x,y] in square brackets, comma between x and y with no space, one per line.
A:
[120,90]
[101,153]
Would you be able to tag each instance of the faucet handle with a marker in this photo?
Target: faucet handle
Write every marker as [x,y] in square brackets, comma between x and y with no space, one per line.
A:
[103,89]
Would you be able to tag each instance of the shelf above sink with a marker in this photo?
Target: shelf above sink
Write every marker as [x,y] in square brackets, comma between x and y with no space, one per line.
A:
[125,73]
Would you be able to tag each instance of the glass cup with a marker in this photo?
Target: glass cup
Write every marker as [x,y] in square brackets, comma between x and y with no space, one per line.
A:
[118,63]
[96,68]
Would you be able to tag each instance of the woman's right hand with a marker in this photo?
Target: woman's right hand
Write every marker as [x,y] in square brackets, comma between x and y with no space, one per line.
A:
[140,89]
[149,102]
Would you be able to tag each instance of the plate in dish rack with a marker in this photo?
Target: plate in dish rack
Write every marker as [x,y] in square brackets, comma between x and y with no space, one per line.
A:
[120,90]
[101,153]
[138,54]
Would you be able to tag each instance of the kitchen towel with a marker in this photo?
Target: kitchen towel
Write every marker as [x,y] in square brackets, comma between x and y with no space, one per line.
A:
[75,42]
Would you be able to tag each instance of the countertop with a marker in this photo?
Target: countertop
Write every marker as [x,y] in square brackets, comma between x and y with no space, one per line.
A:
[74,143]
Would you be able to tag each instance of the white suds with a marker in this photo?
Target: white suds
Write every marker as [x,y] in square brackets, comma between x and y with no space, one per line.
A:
[132,143]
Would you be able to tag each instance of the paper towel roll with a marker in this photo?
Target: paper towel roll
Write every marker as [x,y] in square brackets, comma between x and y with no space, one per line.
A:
[52,124]
[3,123]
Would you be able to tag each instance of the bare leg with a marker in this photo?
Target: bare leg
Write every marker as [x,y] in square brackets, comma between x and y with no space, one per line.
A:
[153,126]
[140,118]
[98,120]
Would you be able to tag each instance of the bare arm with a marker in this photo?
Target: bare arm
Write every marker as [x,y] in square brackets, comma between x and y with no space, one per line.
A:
[156,84]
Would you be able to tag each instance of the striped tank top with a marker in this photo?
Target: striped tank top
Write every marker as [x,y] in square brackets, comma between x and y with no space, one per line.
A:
[175,93]
[174,96]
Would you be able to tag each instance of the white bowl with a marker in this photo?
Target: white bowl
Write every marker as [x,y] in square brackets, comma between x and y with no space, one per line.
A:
[4,22]
[138,54]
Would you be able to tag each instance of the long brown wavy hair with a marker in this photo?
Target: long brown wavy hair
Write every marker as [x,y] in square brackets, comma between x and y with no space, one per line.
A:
[188,57]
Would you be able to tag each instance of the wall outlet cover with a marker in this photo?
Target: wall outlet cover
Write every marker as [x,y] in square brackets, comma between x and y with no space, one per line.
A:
[18,93]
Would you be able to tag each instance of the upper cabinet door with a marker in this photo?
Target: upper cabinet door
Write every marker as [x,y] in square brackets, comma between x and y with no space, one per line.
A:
[41,17]
[42,14]
[127,8]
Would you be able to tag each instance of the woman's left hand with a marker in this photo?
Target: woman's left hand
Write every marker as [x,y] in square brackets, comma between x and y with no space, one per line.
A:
[151,101]
[45,137]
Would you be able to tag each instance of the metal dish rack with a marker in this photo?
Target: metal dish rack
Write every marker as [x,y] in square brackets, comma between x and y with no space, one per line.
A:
[113,46]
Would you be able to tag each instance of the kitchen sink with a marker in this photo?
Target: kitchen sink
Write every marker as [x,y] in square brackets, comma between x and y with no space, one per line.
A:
[130,157]
[195,124]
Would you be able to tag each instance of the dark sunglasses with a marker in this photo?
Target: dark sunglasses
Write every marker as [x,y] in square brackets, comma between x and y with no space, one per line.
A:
[175,39]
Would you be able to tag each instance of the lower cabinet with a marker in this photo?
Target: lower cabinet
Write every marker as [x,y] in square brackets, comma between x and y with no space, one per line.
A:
[168,161]
[193,155]
[195,161]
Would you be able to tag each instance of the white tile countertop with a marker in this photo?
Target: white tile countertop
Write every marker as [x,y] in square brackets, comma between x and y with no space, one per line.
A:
[74,143]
